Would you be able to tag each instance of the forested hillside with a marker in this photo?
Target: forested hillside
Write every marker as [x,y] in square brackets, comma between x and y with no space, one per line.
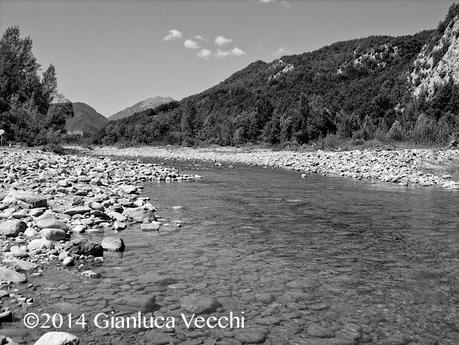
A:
[85,120]
[360,89]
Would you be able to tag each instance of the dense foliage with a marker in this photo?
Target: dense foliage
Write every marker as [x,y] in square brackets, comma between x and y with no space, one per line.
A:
[26,95]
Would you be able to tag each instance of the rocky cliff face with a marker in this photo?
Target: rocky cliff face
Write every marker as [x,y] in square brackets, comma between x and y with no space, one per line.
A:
[438,62]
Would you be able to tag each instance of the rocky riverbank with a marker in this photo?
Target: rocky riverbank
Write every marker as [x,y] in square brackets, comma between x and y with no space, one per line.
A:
[47,205]
[424,167]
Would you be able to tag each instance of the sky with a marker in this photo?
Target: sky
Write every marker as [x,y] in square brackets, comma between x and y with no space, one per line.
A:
[112,54]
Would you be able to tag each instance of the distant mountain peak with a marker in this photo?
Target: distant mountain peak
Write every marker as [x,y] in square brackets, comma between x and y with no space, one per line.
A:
[151,102]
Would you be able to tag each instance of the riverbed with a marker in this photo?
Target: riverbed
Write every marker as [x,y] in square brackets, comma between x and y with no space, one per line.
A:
[320,260]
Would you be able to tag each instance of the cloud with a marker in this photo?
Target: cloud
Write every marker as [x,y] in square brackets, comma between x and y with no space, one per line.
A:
[222,41]
[281,51]
[283,2]
[173,35]
[221,54]
[204,54]
[237,52]
[199,37]
[190,44]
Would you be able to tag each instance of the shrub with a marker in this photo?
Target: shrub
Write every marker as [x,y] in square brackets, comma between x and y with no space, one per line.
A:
[396,132]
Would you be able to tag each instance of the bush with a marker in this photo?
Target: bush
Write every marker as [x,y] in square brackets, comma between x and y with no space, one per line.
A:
[425,130]
[396,132]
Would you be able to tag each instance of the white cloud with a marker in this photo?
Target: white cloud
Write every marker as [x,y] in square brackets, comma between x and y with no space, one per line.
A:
[221,54]
[281,51]
[199,37]
[283,2]
[173,35]
[222,41]
[237,51]
[204,54]
[190,44]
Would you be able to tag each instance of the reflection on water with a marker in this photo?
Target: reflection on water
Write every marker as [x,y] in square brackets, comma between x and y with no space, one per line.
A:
[334,256]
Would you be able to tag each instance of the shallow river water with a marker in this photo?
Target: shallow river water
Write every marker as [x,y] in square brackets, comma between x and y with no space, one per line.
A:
[309,261]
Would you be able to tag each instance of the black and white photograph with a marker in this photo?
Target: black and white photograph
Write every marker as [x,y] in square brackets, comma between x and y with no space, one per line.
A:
[229,172]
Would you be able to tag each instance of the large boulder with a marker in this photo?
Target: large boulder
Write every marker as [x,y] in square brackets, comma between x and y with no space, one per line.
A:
[57,338]
[84,247]
[12,228]
[199,304]
[53,234]
[7,274]
[51,224]
[114,244]
[33,199]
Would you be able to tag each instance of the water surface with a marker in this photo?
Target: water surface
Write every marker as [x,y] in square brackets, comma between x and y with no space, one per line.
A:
[292,254]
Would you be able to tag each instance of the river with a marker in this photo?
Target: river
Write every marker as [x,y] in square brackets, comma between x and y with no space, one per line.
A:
[318,260]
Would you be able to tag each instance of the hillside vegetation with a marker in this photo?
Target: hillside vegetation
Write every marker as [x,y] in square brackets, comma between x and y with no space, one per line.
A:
[359,89]
[85,120]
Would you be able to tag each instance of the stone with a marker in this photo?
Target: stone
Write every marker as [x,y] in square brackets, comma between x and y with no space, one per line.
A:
[84,247]
[153,226]
[12,228]
[117,216]
[47,215]
[144,304]
[265,298]
[53,234]
[51,224]
[37,212]
[90,274]
[19,252]
[40,243]
[31,232]
[115,244]
[7,274]
[127,189]
[199,304]
[35,200]
[20,265]
[68,261]
[57,338]
[96,206]
[251,335]
[77,210]
[79,228]
[139,214]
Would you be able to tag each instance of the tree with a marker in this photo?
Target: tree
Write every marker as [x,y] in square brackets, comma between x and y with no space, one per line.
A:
[25,96]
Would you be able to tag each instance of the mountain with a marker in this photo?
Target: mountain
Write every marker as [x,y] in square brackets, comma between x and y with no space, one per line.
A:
[152,102]
[379,87]
[85,120]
